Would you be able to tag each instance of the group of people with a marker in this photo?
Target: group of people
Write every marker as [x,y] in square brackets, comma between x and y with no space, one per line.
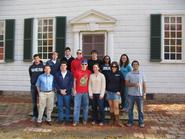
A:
[94,82]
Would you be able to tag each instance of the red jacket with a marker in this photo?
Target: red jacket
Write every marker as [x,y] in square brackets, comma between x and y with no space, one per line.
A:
[76,65]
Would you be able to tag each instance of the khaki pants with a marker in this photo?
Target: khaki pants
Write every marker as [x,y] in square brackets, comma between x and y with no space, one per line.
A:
[45,100]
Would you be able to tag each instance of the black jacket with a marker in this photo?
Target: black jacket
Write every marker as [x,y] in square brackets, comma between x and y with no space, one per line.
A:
[92,62]
[68,62]
[35,71]
[115,82]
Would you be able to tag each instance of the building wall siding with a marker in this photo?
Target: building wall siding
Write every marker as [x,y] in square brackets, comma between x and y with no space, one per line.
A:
[131,36]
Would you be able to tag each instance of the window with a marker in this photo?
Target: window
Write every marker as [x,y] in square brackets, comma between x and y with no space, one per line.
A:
[45,37]
[93,42]
[172,37]
[2,40]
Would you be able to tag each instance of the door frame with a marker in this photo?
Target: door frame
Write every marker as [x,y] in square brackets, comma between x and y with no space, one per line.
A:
[94,32]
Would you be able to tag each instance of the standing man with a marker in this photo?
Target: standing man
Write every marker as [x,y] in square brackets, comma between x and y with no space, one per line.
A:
[136,83]
[76,64]
[45,88]
[54,63]
[64,84]
[35,70]
[81,98]
[94,60]
[68,58]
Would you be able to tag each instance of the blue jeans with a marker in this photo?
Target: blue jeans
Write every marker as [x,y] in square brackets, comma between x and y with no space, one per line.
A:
[64,101]
[124,98]
[34,100]
[139,102]
[81,99]
[98,108]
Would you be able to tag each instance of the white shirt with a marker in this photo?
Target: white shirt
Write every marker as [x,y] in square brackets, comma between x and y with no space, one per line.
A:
[54,61]
[64,74]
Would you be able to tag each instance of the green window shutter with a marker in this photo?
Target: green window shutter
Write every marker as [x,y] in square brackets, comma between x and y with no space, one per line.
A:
[155,38]
[60,35]
[28,39]
[9,40]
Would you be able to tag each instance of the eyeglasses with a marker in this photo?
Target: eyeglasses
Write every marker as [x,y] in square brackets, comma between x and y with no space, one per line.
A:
[84,64]
[79,53]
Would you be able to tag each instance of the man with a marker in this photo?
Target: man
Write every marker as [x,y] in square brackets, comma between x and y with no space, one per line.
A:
[45,88]
[81,98]
[136,83]
[54,63]
[35,70]
[94,60]
[76,64]
[68,58]
[64,84]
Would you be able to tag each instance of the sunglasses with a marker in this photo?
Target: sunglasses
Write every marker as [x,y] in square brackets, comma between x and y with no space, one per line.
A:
[114,66]
[79,53]
[84,64]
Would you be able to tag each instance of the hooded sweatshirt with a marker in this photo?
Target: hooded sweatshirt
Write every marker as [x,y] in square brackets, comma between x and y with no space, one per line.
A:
[35,71]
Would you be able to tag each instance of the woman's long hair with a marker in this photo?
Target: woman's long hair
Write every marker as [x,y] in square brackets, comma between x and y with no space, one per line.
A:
[121,62]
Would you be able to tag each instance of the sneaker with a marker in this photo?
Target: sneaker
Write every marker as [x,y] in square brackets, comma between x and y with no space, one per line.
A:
[142,125]
[101,124]
[75,124]
[84,122]
[93,122]
[129,125]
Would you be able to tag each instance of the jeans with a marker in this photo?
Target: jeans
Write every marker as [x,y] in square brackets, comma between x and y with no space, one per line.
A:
[46,100]
[98,109]
[64,101]
[34,100]
[139,103]
[124,97]
[81,99]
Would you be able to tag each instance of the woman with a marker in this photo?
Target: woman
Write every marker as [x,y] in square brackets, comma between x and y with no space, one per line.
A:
[105,69]
[115,82]
[96,94]
[125,68]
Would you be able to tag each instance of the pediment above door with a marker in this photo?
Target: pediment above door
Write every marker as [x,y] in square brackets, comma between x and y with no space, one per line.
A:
[92,20]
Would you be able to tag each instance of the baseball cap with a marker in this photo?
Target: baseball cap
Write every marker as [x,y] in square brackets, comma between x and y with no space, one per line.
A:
[84,61]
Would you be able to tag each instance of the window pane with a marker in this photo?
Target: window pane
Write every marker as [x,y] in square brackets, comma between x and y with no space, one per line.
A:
[179,20]
[167,27]
[50,22]
[1,57]
[179,27]
[179,49]
[166,42]
[173,34]
[1,44]
[179,42]
[173,27]
[172,41]
[166,49]
[172,19]
[50,28]
[167,35]
[166,56]
[1,50]
[179,34]
[172,49]
[166,19]
[87,39]
[1,37]
[179,56]
[172,56]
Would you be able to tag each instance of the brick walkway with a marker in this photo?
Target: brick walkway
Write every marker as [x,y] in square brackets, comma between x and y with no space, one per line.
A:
[162,121]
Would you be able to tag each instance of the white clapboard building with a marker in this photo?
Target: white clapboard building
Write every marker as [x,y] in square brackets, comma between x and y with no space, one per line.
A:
[151,31]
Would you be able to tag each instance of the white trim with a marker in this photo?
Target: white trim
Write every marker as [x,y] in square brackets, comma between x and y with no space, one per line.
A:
[100,32]
[162,39]
[35,35]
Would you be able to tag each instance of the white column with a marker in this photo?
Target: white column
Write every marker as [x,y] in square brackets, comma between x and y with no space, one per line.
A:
[110,49]
[76,42]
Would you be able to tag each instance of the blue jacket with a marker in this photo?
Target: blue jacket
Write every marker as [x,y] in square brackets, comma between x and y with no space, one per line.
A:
[64,83]
[54,67]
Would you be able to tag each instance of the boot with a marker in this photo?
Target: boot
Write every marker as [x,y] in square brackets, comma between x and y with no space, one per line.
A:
[117,121]
[112,119]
